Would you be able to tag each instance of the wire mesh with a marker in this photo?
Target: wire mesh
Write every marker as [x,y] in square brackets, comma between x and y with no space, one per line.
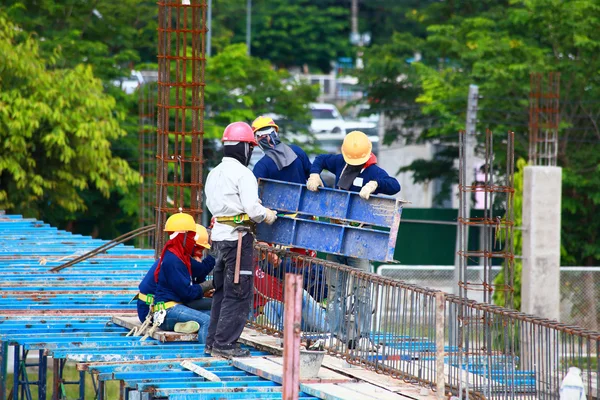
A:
[389,326]
[180,108]
[147,162]
[544,118]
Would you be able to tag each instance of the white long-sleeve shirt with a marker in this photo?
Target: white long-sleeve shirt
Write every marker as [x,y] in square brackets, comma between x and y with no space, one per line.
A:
[231,189]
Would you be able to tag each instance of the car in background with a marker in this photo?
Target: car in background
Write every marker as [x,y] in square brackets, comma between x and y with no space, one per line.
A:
[326,118]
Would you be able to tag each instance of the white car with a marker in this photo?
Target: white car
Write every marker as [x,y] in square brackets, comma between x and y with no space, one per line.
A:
[326,118]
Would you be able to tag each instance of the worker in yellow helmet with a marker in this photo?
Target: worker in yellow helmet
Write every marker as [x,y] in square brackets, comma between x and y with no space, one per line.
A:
[174,279]
[282,162]
[355,170]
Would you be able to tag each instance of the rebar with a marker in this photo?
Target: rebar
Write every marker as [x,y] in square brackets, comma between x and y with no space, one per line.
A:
[180,108]
[544,118]
[147,163]
[503,354]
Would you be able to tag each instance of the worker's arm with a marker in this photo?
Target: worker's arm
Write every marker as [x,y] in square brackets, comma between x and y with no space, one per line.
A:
[325,161]
[306,165]
[179,281]
[200,269]
[385,183]
[248,192]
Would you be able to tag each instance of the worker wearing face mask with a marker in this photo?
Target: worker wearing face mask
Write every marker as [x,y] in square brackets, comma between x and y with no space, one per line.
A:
[282,162]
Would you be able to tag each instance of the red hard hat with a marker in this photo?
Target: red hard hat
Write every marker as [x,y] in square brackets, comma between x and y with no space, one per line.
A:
[239,132]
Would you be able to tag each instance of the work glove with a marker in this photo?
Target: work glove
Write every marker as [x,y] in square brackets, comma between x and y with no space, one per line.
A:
[207,285]
[313,183]
[368,190]
[271,217]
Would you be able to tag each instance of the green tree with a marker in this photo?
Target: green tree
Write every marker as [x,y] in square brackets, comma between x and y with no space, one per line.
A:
[56,127]
[496,45]
[296,32]
[109,35]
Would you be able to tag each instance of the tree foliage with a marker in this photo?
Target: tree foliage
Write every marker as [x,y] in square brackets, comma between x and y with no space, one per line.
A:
[56,128]
[240,87]
[496,45]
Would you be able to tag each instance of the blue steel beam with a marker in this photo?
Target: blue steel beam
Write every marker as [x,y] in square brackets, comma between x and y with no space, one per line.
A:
[349,231]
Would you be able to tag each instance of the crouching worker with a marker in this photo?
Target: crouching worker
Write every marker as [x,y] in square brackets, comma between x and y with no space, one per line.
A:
[232,199]
[202,265]
[174,282]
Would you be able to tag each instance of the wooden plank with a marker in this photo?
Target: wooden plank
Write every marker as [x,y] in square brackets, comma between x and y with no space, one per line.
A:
[272,344]
[271,368]
[332,391]
[130,322]
[383,381]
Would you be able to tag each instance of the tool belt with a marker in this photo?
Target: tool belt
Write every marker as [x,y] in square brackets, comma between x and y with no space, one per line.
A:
[237,220]
[161,305]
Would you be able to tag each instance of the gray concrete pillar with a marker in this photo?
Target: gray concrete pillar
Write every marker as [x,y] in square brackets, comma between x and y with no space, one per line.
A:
[540,291]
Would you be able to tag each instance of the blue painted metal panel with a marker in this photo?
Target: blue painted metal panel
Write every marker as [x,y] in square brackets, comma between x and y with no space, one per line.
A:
[350,235]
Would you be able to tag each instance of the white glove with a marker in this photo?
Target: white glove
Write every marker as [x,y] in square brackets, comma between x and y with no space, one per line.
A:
[368,190]
[313,183]
[271,217]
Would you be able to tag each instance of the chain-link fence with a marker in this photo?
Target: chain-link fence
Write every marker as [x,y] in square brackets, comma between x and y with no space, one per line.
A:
[579,293]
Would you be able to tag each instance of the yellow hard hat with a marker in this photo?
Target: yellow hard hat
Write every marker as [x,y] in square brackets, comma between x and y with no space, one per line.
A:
[356,148]
[202,236]
[263,122]
[180,222]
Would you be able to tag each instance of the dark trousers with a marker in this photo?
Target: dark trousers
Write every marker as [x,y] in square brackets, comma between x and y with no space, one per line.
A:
[231,302]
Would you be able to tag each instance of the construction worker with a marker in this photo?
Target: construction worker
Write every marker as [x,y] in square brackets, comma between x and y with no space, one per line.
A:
[232,199]
[355,170]
[280,162]
[202,265]
[174,282]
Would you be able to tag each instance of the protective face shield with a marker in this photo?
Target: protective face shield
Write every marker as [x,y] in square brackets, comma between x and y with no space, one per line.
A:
[267,138]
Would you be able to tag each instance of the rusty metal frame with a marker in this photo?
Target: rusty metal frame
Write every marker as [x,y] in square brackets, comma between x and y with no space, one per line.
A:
[544,118]
[180,109]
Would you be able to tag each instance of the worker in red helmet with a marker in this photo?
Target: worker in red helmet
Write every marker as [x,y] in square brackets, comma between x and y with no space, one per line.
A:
[232,198]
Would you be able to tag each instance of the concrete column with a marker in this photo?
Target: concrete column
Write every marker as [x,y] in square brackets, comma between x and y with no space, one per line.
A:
[540,293]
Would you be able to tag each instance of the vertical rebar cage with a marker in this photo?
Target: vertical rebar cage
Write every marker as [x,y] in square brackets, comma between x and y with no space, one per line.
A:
[147,162]
[180,108]
[544,118]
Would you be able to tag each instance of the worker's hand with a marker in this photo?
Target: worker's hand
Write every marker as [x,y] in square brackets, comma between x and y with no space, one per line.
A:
[368,190]
[207,286]
[314,182]
[209,294]
[271,217]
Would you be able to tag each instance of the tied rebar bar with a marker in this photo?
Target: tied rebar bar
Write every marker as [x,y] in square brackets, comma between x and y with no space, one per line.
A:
[147,162]
[544,118]
[180,108]
[497,227]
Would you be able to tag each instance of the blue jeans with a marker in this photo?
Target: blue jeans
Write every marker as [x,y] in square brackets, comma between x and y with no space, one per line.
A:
[181,313]
[314,317]
[349,303]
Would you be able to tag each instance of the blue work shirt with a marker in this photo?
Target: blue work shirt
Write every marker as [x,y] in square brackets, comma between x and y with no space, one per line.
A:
[335,164]
[148,286]
[296,172]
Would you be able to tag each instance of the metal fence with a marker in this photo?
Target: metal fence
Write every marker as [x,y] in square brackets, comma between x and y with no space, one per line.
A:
[579,290]
[424,335]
